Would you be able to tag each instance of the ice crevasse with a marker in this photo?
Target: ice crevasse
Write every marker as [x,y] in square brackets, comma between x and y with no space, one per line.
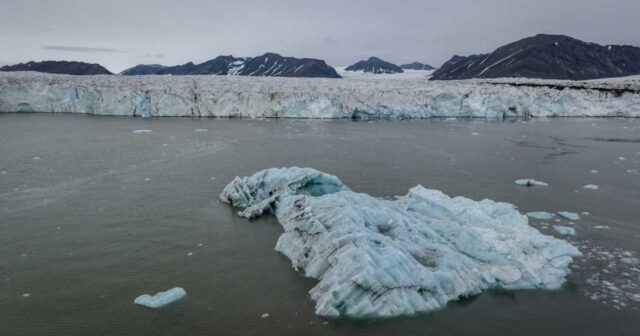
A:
[411,254]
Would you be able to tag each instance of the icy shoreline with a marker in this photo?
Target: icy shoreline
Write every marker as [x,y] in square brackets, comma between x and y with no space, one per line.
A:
[410,96]
[413,254]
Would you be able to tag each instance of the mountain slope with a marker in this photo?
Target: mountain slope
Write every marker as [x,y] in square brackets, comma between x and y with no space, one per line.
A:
[546,57]
[59,67]
[269,64]
[374,65]
[417,66]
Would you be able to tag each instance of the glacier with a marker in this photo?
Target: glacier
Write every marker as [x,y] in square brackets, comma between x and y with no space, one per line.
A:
[161,299]
[403,256]
[405,96]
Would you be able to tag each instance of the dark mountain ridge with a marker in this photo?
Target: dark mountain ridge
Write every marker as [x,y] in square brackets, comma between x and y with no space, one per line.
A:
[59,67]
[417,66]
[375,65]
[269,64]
[547,57]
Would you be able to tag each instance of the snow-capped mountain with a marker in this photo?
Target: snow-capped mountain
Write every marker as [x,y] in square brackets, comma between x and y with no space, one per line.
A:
[269,64]
[374,65]
[59,67]
[417,66]
[546,57]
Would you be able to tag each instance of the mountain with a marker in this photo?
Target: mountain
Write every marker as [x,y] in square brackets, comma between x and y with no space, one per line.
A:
[269,64]
[547,57]
[59,67]
[417,66]
[144,69]
[376,66]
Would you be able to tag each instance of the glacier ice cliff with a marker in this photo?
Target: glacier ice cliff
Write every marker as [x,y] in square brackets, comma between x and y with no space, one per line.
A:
[358,97]
[412,254]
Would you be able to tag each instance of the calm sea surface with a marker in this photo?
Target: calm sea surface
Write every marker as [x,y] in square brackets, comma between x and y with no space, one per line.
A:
[93,214]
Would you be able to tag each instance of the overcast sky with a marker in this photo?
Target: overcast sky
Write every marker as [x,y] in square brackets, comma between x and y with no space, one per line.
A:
[122,33]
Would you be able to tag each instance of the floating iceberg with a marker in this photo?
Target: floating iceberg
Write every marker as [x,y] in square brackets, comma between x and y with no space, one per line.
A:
[142,131]
[161,299]
[540,215]
[565,230]
[530,183]
[569,215]
[413,254]
[591,186]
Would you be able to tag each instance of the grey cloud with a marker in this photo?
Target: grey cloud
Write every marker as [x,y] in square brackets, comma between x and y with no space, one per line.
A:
[81,49]
[152,55]
[338,31]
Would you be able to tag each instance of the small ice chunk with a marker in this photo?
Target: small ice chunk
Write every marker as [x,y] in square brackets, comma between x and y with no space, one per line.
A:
[594,171]
[26,295]
[200,130]
[36,158]
[591,186]
[569,215]
[540,215]
[622,158]
[530,183]
[264,316]
[601,227]
[161,299]
[565,230]
[142,131]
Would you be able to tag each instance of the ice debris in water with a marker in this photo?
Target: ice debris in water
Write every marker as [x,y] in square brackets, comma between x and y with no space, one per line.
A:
[565,230]
[161,299]
[530,183]
[591,186]
[540,215]
[569,215]
[200,130]
[380,258]
[142,131]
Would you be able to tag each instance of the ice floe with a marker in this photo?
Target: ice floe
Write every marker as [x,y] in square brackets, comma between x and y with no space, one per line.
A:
[592,187]
[569,215]
[161,299]
[540,215]
[530,183]
[388,257]
[565,230]
[142,131]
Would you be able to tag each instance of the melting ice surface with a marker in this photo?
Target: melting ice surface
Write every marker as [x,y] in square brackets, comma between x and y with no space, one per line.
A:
[412,254]
[161,299]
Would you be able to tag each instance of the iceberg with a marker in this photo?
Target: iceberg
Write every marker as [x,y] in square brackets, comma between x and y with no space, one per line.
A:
[161,299]
[569,215]
[530,183]
[565,230]
[403,256]
[591,186]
